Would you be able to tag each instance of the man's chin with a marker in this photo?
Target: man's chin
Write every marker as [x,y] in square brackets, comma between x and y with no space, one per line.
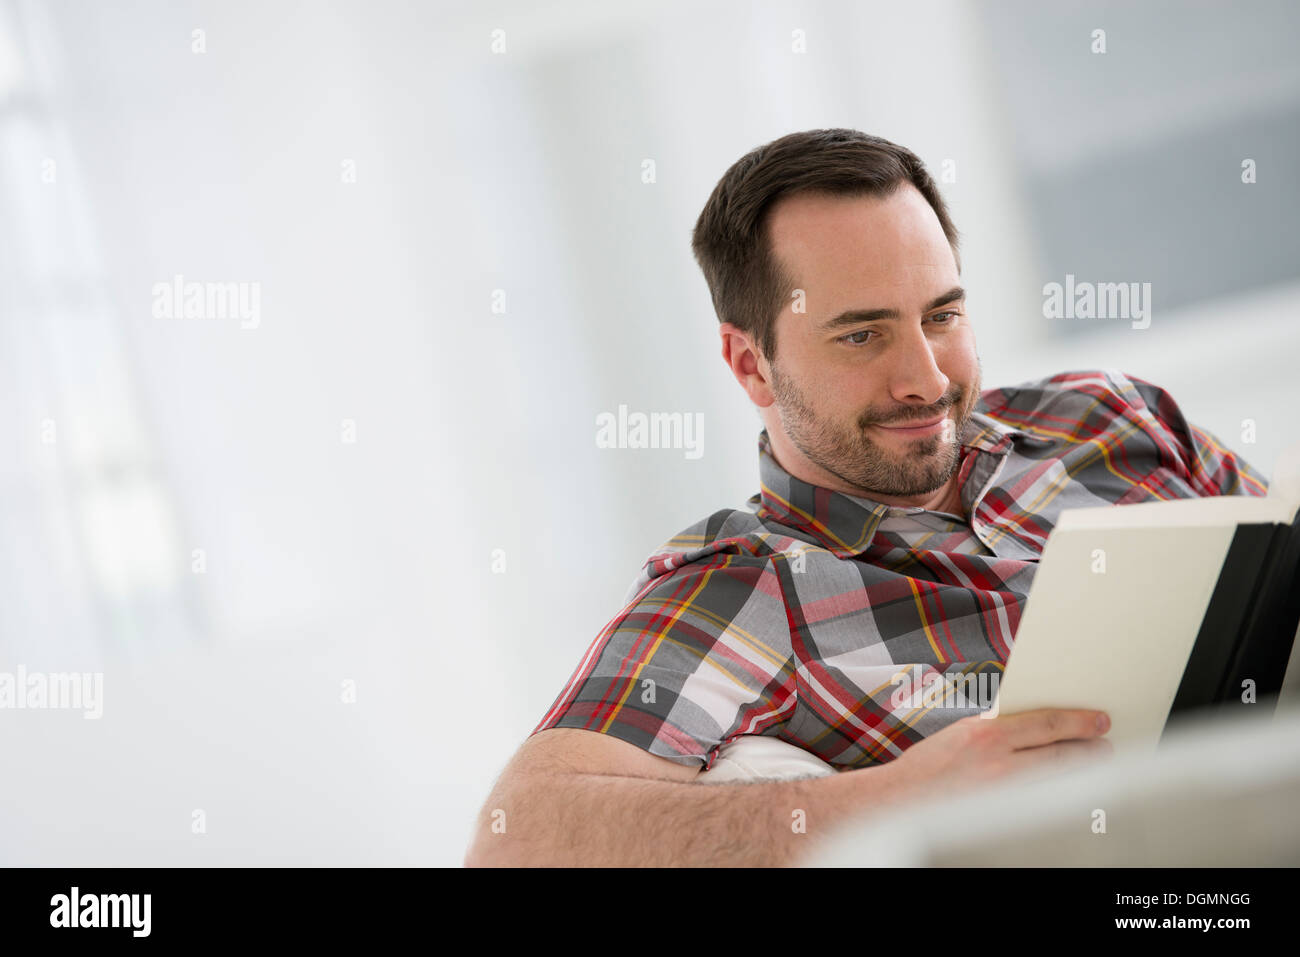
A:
[940,458]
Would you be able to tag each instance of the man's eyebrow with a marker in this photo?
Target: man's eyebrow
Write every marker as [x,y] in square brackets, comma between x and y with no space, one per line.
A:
[855,316]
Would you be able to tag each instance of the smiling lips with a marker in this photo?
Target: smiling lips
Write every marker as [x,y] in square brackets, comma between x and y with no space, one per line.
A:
[924,428]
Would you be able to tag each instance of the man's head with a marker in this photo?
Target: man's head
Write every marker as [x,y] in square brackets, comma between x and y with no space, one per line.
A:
[832,251]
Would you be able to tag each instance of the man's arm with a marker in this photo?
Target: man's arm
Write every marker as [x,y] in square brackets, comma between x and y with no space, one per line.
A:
[575,798]
[581,798]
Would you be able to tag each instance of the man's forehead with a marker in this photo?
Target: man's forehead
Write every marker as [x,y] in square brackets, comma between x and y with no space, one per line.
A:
[833,241]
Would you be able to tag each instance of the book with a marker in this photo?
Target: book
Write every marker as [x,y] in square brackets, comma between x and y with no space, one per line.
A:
[1159,611]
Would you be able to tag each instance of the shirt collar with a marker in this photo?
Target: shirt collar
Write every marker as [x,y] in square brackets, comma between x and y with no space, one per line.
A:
[846,524]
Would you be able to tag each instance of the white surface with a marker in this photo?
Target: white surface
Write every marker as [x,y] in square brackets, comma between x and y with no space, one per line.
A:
[1215,795]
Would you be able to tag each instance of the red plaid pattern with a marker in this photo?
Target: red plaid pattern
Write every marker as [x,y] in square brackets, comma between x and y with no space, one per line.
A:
[804,613]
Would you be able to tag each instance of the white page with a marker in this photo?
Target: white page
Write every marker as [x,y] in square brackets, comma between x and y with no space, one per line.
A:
[1117,640]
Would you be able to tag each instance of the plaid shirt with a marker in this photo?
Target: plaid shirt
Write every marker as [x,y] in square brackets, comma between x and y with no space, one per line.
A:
[797,615]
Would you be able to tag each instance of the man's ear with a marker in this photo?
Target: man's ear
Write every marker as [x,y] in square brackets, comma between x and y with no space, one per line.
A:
[746,362]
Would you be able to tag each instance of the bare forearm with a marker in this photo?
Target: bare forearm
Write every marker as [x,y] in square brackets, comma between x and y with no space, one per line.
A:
[589,819]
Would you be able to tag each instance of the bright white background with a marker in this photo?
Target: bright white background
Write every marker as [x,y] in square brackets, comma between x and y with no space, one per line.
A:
[521,171]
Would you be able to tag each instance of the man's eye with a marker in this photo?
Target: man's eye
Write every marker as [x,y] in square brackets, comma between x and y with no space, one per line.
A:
[851,340]
[952,315]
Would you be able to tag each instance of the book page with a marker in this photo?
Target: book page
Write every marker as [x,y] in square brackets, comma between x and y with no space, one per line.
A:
[1111,621]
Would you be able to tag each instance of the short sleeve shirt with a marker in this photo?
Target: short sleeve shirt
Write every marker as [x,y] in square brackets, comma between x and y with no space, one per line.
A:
[803,613]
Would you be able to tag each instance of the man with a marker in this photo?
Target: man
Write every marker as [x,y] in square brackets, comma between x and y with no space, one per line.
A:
[901,515]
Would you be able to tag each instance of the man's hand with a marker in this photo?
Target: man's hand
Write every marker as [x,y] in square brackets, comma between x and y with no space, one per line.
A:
[978,749]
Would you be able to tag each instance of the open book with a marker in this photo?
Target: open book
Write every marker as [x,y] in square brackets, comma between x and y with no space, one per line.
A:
[1156,610]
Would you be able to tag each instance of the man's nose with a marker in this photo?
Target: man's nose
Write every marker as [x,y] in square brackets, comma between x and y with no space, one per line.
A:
[915,377]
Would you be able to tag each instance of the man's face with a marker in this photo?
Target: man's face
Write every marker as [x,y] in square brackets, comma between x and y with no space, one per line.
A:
[841,380]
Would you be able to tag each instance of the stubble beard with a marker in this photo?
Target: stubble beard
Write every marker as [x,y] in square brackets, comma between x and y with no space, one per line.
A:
[920,466]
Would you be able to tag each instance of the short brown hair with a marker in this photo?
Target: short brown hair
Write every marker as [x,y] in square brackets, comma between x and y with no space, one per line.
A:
[731,241]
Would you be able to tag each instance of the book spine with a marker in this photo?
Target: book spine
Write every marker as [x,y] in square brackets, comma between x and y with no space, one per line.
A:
[1271,624]
[1223,626]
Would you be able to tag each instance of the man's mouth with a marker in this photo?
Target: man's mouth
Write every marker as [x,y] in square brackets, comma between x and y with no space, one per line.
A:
[915,429]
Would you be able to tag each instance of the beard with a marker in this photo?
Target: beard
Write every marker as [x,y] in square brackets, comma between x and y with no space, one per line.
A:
[902,469]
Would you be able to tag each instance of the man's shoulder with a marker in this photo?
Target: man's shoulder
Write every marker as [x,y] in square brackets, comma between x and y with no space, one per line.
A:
[724,524]
[1073,397]
[730,537]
